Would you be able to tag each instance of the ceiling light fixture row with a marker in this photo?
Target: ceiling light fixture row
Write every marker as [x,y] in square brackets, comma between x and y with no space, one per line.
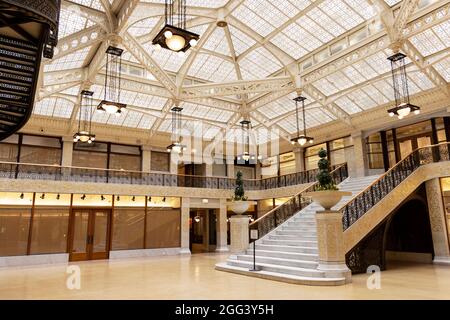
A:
[403,107]
[84,133]
[174,36]
[112,90]
[301,139]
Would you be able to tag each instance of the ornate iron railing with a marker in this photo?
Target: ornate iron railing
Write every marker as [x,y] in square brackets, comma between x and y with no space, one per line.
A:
[280,214]
[362,202]
[13,170]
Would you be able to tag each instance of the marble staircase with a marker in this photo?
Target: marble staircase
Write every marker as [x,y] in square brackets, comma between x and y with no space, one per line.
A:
[289,253]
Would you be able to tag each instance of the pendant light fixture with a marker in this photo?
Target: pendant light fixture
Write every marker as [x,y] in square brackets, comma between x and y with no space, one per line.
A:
[301,139]
[246,156]
[403,107]
[111,100]
[84,133]
[175,38]
[176,145]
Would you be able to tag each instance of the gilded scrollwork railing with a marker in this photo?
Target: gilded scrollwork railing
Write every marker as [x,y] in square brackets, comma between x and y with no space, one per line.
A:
[362,202]
[280,214]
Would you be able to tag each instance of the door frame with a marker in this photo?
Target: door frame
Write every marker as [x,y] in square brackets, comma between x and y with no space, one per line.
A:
[89,254]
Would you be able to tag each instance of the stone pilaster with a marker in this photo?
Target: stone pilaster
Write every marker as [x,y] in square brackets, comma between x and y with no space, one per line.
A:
[222,228]
[185,208]
[437,221]
[208,170]
[358,164]
[330,237]
[67,151]
[239,233]
[299,159]
[146,158]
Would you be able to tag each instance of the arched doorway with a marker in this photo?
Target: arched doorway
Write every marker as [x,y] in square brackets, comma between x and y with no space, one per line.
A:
[408,234]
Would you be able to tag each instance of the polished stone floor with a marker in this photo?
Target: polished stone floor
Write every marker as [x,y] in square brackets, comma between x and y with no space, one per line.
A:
[194,277]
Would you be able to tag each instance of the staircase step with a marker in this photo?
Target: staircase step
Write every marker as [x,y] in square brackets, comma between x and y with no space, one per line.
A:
[304,272]
[280,261]
[16,43]
[286,248]
[268,275]
[285,255]
[17,67]
[296,232]
[299,237]
[299,243]
[16,56]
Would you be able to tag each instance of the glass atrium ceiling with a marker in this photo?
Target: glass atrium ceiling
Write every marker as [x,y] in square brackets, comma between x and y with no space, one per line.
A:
[264,39]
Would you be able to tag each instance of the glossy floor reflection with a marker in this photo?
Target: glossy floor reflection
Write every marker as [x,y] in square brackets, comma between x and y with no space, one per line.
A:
[195,278]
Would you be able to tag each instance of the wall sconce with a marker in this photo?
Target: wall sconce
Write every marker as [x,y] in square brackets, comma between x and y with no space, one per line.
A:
[83,197]
[42,196]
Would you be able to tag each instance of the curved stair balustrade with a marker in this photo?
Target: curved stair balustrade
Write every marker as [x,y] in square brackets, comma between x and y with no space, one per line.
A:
[366,199]
[280,214]
[14,170]
[28,30]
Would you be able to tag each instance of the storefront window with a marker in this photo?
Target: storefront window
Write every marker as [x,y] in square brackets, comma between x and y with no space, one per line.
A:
[128,223]
[312,157]
[160,161]
[287,163]
[15,216]
[163,223]
[375,151]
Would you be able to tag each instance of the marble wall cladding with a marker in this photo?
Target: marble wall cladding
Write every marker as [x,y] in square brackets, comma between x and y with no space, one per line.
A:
[437,218]
[142,253]
[383,208]
[330,237]
[40,259]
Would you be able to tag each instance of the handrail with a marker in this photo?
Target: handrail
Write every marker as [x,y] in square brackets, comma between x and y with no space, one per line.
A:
[364,200]
[73,173]
[280,214]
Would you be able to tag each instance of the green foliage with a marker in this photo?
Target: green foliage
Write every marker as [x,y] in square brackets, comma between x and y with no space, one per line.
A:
[324,177]
[239,192]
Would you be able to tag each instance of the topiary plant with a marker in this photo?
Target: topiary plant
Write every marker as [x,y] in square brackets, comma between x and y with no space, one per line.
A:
[239,192]
[324,177]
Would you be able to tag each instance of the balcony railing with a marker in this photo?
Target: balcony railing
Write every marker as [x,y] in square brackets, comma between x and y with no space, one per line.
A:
[369,197]
[13,170]
[280,214]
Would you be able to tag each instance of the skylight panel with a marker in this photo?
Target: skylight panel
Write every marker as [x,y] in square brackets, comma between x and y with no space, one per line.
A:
[100,117]
[146,122]
[73,91]
[421,80]
[54,107]
[166,59]
[253,20]
[300,35]
[45,107]
[360,98]
[288,124]
[392,2]
[325,86]
[94,4]
[314,29]
[70,61]
[326,22]
[212,68]
[69,23]
[127,97]
[132,119]
[340,81]
[119,118]
[291,47]
[379,63]
[354,74]
[427,42]
[348,105]
[363,8]
[150,102]
[241,41]
[375,95]
[143,26]
[443,67]
[260,62]
[385,87]
[341,13]
[217,42]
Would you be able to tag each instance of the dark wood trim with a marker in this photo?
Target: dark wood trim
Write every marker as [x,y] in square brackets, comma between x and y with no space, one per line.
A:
[434,134]
[396,146]
[384,148]
[30,227]
[145,224]
[111,224]
[69,227]
[447,128]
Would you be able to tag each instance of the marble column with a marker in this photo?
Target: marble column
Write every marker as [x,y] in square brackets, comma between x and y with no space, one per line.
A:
[357,166]
[67,151]
[299,159]
[185,208]
[330,237]
[146,158]
[437,221]
[222,227]
[208,170]
[239,233]
[230,168]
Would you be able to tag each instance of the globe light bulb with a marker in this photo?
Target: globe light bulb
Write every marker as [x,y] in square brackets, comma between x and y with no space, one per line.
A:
[110,108]
[404,111]
[311,141]
[302,141]
[193,42]
[391,114]
[176,43]
[89,141]
[168,34]
[157,47]
[416,112]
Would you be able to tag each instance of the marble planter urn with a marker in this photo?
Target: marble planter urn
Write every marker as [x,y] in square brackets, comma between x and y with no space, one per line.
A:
[327,198]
